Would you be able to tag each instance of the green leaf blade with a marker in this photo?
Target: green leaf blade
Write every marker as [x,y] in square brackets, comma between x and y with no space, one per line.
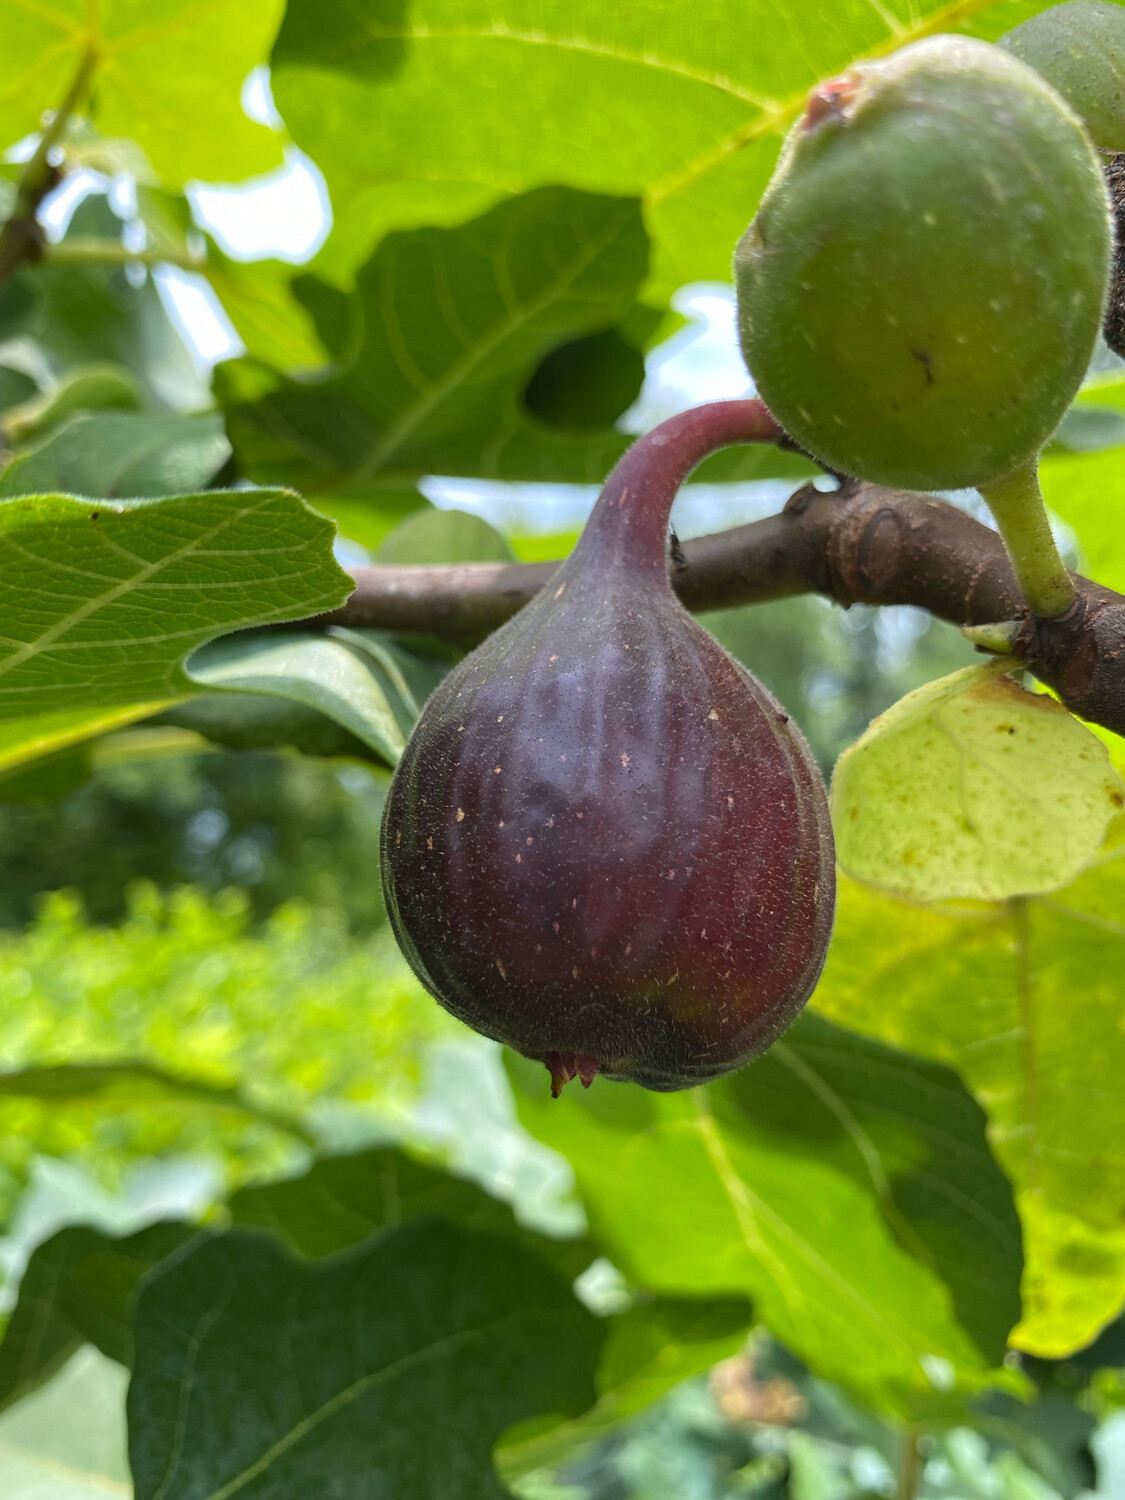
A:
[76,1289]
[122,455]
[971,788]
[644,102]
[388,1371]
[314,670]
[106,599]
[1024,1001]
[342,1200]
[756,1176]
[169,75]
[455,324]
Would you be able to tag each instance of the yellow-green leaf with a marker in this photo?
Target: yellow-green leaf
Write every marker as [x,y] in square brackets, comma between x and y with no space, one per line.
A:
[167,74]
[972,788]
[1024,1000]
[23,740]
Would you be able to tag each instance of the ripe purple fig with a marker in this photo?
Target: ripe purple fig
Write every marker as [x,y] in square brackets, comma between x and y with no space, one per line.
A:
[606,844]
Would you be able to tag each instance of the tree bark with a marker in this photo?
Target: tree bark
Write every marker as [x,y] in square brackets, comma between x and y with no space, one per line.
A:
[862,544]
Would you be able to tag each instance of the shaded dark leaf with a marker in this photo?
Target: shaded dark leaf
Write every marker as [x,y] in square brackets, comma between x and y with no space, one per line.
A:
[388,1371]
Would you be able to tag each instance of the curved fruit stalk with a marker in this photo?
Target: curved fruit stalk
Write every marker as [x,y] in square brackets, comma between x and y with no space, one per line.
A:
[921,290]
[606,844]
[1079,48]
[1016,502]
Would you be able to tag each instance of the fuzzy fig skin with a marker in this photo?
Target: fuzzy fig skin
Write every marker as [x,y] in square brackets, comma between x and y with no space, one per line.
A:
[921,289]
[606,844]
[1079,48]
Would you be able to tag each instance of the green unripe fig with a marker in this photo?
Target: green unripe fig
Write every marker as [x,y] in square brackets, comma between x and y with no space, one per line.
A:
[921,289]
[1079,48]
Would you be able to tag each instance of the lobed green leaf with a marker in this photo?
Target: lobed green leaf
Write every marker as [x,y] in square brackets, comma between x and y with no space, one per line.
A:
[105,599]
[388,1371]
[1023,999]
[744,1188]
[685,109]
[168,74]
[437,345]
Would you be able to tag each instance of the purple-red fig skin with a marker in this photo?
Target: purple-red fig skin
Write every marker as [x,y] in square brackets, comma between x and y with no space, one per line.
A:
[606,844]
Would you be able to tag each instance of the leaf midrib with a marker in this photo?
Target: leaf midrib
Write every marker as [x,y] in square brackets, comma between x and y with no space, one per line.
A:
[462,368]
[746,1204]
[776,114]
[125,586]
[347,1395]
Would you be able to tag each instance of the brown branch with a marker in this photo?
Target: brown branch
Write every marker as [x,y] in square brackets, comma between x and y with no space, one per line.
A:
[21,237]
[862,545]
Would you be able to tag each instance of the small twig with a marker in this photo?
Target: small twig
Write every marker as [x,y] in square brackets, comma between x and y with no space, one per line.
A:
[910,1466]
[90,250]
[21,238]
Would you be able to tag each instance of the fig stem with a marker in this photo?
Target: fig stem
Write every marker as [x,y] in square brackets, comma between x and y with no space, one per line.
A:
[630,520]
[1016,501]
[21,237]
[911,1465]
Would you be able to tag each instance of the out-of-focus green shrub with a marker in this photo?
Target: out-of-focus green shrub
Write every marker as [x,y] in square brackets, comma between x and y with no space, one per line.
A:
[291,1014]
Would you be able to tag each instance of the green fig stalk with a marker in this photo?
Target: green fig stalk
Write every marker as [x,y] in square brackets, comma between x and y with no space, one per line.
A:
[922,287]
[1016,502]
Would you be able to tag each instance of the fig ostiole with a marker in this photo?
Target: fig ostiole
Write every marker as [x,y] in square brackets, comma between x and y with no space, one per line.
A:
[922,287]
[606,844]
